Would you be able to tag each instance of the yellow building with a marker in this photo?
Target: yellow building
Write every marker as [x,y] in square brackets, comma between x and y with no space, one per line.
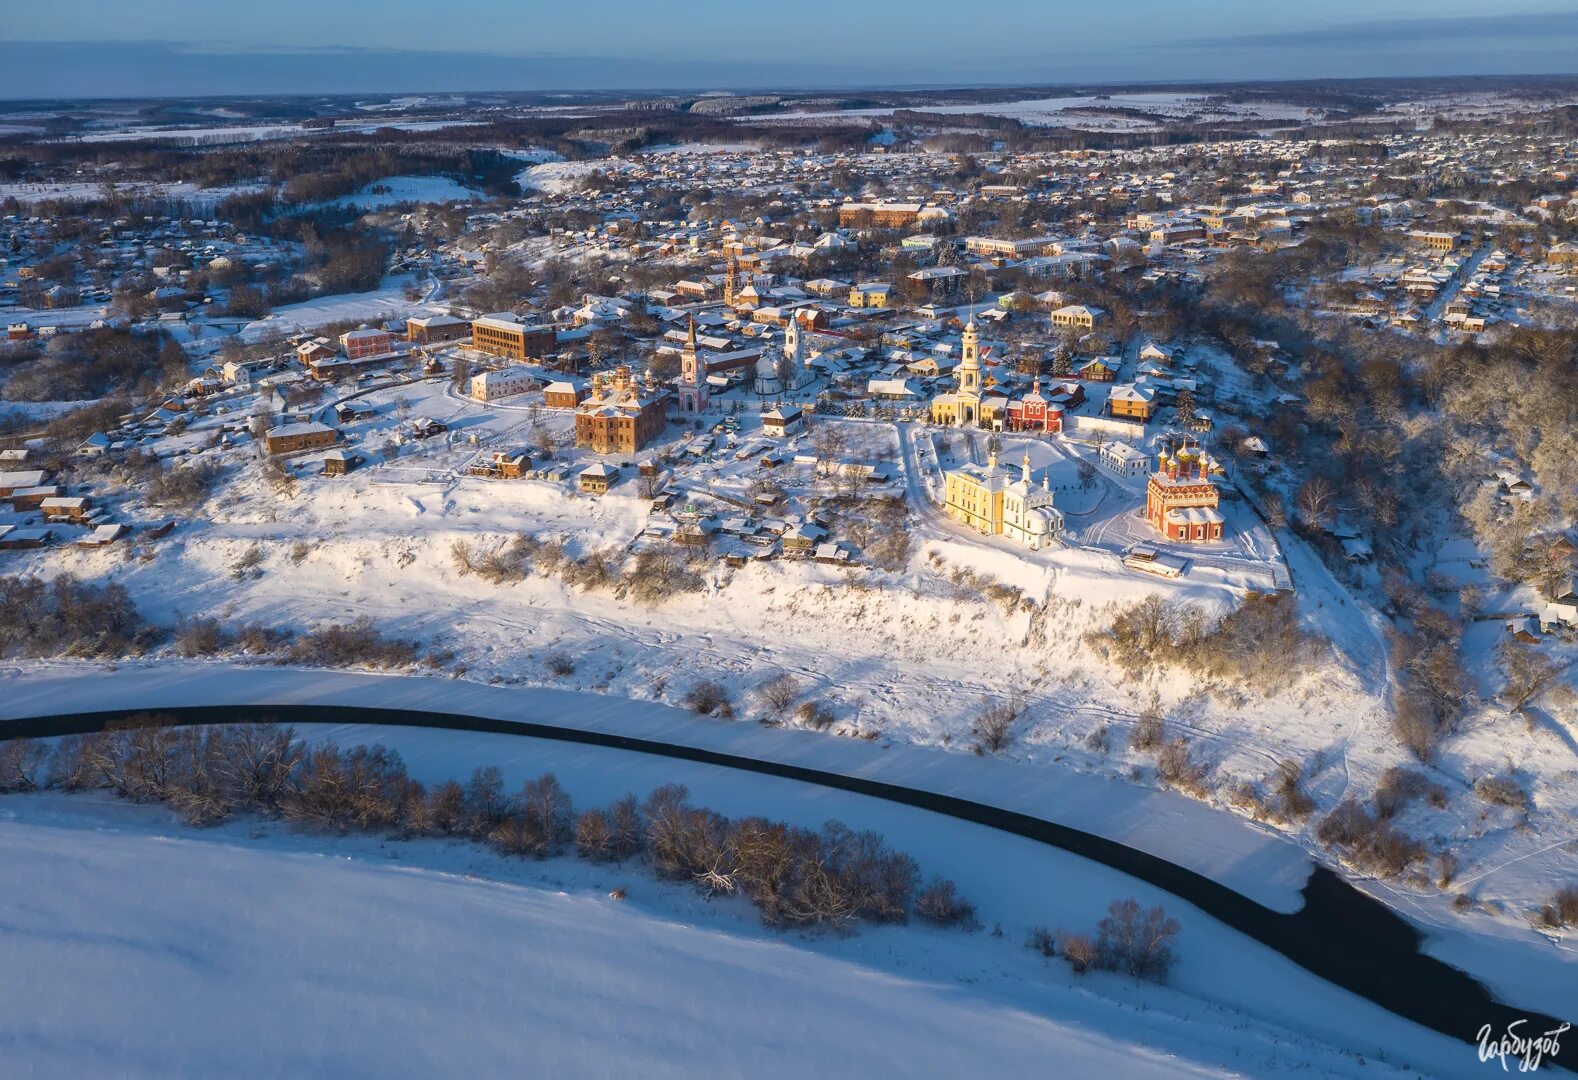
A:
[986,500]
[870,294]
[973,495]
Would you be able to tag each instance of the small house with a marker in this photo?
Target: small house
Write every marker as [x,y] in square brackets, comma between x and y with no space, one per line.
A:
[338,462]
[598,477]
[783,421]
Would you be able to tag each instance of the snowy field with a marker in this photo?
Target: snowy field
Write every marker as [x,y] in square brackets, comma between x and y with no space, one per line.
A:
[253,132]
[1056,111]
[399,190]
[388,301]
[394,959]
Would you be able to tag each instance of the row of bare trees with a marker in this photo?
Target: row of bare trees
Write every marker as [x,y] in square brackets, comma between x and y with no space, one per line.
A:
[829,877]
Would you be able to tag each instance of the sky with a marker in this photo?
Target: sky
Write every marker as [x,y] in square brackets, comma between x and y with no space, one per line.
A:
[116,48]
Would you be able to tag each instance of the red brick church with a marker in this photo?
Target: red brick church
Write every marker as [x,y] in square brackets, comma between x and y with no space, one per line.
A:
[1180,500]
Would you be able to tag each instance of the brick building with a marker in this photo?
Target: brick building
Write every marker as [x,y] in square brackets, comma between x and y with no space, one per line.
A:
[621,414]
[1181,502]
[504,335]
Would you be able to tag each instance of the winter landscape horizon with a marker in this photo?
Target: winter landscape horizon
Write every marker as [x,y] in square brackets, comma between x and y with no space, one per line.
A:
[925,546]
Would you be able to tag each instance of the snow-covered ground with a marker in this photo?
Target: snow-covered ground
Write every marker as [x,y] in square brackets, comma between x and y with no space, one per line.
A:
[557,177]
[1057,111]
[388,301]
[26,192]
[252,132]
[149,949]
[905,657]
[398,190]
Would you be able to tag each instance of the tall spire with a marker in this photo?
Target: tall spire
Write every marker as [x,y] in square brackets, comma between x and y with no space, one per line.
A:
[690,340]
[1026,476]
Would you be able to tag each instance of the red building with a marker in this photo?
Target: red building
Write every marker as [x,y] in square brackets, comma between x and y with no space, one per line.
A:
[1180,499]
[362,343]
[1034,413]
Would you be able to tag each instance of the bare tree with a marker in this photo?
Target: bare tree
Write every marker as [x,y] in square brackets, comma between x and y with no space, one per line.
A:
[1137,941]
[1317,501]
[1529,673]
[994,725]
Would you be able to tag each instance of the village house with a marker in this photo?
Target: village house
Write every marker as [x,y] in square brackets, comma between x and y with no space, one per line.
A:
[314,351]
[1078,316]
[783,421]
[293,438]
[1435,241]
[500,465]
[1132,402]
[75,509]
[31,498]
[16,479]
[598,477]
[505,382]
[1034,413]
[1121,458]
[1097,369]
[878,215]
[870,294]
[564,393]
[338,462]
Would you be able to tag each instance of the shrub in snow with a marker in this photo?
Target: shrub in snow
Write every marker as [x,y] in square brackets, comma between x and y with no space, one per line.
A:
[200,637]
[709,698]
[358,642]
[994,725]
[941,903]
[1260,645]
[1136,941]
[559,664]
[1502,791]
[1399,786]
[1150,728]
[778,692]
[1079,950]
[815,715]
[21,765]
[1176,767]
[1294,803]
[1562,911]
[1042,941]
[1368,842]
[67,617]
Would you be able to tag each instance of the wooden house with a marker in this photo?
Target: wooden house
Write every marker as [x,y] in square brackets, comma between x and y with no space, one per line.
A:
[598,477]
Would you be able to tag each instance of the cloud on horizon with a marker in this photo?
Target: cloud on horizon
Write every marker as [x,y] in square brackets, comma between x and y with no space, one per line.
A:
[1392,33]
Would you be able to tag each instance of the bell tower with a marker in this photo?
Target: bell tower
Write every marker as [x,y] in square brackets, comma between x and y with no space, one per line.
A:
[693,390]
[970,360]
